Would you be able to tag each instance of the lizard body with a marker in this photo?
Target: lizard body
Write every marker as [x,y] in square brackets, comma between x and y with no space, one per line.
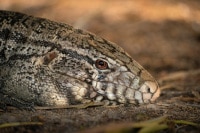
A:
[53,64]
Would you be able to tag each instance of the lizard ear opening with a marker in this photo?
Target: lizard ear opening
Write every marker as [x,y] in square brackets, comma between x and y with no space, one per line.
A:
[49,57]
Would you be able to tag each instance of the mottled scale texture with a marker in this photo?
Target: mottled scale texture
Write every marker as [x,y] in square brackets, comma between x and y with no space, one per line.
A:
[46,63]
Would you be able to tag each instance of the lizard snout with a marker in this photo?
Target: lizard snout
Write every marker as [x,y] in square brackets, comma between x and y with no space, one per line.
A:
[150,91]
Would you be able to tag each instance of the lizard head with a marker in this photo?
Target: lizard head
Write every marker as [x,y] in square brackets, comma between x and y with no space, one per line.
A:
[116,76]
[102,71]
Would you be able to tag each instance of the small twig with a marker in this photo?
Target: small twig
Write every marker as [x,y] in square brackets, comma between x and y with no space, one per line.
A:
[79,106]
[186,99]
[171,85]
[179,75]
[14,124]
[186,122]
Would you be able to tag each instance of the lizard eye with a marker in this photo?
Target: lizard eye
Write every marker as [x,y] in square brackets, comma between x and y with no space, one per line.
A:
[101,64]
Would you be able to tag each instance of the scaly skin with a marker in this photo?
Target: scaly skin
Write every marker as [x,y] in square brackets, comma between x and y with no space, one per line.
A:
[46,63]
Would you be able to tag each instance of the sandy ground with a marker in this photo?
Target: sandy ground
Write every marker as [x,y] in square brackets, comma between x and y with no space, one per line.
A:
[164,36]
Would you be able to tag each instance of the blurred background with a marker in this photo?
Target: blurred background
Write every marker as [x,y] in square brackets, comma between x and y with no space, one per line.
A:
[162,35]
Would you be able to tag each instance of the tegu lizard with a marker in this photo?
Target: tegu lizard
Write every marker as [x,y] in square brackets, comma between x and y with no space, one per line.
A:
[47,63]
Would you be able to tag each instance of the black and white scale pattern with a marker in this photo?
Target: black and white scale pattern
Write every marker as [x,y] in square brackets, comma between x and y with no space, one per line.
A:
[46,63]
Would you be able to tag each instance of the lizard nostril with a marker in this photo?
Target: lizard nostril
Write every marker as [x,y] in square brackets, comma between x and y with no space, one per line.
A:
[148,90]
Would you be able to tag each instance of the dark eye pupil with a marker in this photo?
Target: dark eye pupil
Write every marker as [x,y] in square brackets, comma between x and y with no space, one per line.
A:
[101,63]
